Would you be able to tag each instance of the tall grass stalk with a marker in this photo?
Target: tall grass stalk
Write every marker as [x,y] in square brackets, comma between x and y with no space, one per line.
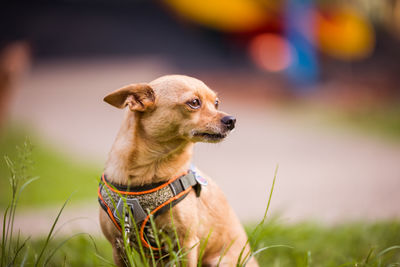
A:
[19,168]
[15,252]
[50,234]
[241,261]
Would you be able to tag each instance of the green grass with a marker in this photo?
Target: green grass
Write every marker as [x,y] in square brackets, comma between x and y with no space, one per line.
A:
[384,121]
[381,121]
[59,175]
[349,243]
[79,251]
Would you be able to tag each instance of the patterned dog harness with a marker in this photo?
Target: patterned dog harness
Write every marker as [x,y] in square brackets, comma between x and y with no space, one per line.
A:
[144,201]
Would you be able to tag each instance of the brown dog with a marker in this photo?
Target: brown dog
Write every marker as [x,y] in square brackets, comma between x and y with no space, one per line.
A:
[163,121]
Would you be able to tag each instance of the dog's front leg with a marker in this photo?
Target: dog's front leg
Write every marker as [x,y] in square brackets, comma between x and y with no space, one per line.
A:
[119,253]
[191,246]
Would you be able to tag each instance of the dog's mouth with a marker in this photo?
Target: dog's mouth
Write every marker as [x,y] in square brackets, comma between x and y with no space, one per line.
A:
[210,136]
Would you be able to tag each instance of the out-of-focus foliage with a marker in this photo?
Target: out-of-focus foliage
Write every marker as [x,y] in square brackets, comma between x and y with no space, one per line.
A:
[59,175]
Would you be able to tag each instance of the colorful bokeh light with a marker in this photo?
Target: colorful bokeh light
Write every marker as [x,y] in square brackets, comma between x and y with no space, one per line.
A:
[344,34]
[270,52]
[224,15]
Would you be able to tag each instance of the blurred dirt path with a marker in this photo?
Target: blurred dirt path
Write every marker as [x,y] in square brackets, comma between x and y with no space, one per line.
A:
[324,173]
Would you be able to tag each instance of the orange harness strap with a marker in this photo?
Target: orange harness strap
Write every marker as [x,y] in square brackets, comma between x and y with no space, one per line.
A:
[107,209]
[154,211]
[141,192]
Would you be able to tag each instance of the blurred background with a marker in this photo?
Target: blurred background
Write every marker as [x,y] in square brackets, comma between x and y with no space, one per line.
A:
[314,86]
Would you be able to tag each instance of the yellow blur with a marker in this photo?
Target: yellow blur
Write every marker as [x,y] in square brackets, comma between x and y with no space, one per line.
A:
[224,15]
[345,34]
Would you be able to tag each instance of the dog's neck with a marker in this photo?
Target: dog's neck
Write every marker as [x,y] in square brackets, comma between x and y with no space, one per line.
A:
[135,160]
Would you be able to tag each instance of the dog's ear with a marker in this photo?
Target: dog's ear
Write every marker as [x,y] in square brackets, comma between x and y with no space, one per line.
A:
[139,97]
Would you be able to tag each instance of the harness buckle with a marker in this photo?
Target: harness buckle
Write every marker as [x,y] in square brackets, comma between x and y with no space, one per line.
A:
[137,211]
[187,181]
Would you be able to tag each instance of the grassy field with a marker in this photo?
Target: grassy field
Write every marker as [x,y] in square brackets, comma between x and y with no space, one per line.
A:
[341,245]
[308,244]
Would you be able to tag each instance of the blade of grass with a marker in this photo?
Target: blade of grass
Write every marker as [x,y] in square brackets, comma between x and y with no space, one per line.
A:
[22,264]
[368,256]
[26,184]
[18,238]
[203,248]
[18,171]
[51,232]
[380,254]
[348,264]
[18,251]
[13,183]
[308,259]
[14,207]
[156,237]
[174,228]
[239,261]
[132,255]
[3,241]
[224,251]
[141,251]
[263,249]
[172,261]
[46,261]
[184,251]
[105,260]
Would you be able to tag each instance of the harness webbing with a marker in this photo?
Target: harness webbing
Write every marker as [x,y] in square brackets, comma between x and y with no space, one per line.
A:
[146,201]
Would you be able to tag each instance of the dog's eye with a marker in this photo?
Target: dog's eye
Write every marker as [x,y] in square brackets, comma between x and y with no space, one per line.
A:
[194,104]
[216,103]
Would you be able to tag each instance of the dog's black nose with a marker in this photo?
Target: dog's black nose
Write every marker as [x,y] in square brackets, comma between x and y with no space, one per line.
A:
[229,122]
